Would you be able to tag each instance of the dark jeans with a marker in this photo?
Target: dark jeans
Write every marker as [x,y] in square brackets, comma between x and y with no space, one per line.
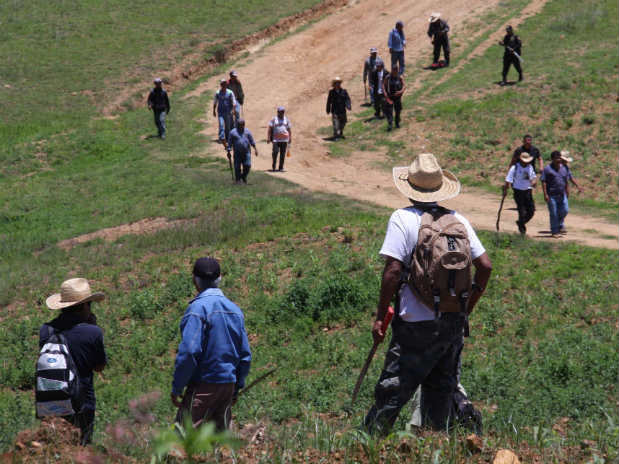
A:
[420,353]
[379,102]
[206,402]
[85,420]
[241,171]
[398,58]
[388,109]
[441,42]
[508,60]
[525,204]
[279,148]
[160,121]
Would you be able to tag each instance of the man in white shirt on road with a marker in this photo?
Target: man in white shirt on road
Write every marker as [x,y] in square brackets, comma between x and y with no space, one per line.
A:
[522,178]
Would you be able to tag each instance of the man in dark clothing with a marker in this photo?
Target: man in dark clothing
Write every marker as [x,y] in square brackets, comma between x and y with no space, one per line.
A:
[376,85]
[240,141]
[85,342]
[338,102]
[513,52]
[554,182]
[369,66]
[237,89]
[528,147]
[159,103]
[393,88]
[438,32]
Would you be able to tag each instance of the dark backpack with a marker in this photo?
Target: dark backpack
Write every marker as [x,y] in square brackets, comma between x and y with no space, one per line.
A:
[440,269]
[57,384]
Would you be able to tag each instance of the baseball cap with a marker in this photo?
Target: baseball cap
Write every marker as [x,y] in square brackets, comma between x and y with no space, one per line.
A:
[373,50]
[207,268]
[157,80]
[233,73]
[222,81]
[281,108]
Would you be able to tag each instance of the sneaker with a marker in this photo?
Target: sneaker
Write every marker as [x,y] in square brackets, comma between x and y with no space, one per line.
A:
[397,125]
[502,83]
[162,136]
[563,230]
[521,227]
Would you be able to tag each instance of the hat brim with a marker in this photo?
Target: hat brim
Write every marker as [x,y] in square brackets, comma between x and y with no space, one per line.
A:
[525,159]
[449,189]
[54,301]
[567,159]
[433,19]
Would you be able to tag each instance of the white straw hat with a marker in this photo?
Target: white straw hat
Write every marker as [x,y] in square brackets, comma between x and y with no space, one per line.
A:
[73,292]
[434,17]
[525,157]
[565,156]
[425,181]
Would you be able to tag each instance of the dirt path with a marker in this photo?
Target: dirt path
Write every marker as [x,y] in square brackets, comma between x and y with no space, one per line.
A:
[297,71]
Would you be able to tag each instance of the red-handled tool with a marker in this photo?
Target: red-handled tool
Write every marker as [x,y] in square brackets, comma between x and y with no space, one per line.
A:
[364,370]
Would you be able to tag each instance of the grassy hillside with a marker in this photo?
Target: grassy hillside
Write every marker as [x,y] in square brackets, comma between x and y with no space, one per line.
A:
[541,362]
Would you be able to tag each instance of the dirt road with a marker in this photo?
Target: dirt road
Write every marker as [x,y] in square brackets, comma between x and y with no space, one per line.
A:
[297,71]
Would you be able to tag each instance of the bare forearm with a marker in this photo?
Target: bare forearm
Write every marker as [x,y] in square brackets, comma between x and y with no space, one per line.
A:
[388,287]
[483,269]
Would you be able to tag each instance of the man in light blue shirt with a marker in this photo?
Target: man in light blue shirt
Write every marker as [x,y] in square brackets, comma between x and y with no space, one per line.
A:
[240,141]
[225,103]
[396,44]
[213,357]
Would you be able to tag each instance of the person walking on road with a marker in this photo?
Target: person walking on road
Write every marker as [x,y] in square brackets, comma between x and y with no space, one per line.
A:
[214,356]
[376,88]
[425,345]
[224,103]
[240,142]
[159,103]
[338,102]
[237,89]
[521,177]
[528,147]
[566,159]
[369,66]
[512,54]
[84,340]
[393,88]
[396,43]
[438,31]
[280,133]
[554,182]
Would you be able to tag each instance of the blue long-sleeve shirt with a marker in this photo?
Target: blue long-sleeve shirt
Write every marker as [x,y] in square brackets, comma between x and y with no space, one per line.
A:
[396,40]
[214,347]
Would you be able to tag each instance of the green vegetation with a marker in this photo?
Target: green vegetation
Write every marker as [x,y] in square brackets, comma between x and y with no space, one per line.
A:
[304,268]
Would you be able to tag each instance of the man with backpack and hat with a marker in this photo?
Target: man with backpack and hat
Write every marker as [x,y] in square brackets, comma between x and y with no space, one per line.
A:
[338,101]
[71,350]
[160,104]
[428,253]
[438,31]
[521,178]
[527,147]
[213,357]
[513,52]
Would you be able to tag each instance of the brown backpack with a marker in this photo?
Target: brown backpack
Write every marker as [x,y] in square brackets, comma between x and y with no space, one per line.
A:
[440,270]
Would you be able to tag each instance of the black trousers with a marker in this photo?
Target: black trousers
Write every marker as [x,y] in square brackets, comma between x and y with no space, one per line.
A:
[525,204]
[441,42]
[388,109]
[379,101]
[85,420]
[508,60]
[279,148]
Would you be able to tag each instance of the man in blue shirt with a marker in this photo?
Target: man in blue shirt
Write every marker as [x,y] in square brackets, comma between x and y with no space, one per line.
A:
[240,141]
[213,357]
[225,103]
[85,342]
[554,182]
[396,44]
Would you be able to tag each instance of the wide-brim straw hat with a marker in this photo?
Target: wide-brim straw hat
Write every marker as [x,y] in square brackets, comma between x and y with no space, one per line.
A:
[73,292]
[434,17]
[337,79]
[425,181]
[565,156]
[525,157]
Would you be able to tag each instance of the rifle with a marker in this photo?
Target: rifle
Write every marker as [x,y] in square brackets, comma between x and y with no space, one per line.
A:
[364,369]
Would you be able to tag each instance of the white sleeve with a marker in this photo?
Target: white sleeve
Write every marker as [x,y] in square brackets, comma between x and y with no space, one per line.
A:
[532,174]
[510,174]
[399,241]
[477,249]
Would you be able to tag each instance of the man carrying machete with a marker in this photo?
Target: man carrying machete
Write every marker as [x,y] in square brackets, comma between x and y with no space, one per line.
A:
[426,341]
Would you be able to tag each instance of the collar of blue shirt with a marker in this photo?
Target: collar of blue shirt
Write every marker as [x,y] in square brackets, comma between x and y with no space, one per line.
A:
[209,292]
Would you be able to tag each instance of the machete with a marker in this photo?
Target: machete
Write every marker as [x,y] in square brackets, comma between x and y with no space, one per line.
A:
[515,54]
[364,369]
[257,381]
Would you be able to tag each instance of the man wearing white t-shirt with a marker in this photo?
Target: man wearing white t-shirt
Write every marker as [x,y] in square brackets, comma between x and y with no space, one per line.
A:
[521,177]
[424,349]
[280,134]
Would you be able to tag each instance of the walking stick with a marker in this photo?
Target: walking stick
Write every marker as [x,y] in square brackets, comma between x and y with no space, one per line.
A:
[257,381]
[364,369]
[498,216]
[230,163]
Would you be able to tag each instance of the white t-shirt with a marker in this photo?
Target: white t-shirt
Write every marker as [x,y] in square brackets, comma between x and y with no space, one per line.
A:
[521,177]
[281,128]
[400,242]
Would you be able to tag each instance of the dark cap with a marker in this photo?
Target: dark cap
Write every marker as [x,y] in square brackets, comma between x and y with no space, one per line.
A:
[207,268]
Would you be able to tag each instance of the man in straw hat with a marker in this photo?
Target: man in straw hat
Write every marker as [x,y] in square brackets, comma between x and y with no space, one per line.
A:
[369,66]
[438,31]
[528,147]
[521,177]
[396,43]
[85,342]
[554,183]
[338,101]
[425,345]
[213,357]
[160,104]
